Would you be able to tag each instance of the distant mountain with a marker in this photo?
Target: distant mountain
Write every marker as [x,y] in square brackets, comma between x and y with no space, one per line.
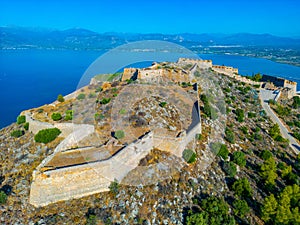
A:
[77,38]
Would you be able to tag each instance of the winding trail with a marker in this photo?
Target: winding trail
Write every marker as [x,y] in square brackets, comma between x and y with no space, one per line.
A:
[266,95]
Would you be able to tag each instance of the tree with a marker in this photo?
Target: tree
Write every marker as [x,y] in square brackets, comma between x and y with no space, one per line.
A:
[242,188]
[47,135]
[274,131]
[223,151]
[268,171]
[269,208]
[197,218]
[257,77]
[60,98]
[17,133]
[240,115]
[230,169]
[239,158]
[229,136]
[21,119]
[3,197]
[241,207]
[296,102]
[265,154]
[56,116]
[26,126]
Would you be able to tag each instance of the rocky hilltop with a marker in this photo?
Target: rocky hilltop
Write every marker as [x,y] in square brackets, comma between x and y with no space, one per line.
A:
[236,169]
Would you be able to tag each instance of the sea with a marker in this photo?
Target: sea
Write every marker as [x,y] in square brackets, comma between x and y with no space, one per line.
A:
[31,78]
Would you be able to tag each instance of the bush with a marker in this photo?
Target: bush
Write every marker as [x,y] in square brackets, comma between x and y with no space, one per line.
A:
[92,95]
[21,119]
[60,98]
[229,136]
[274,131]
[265,154]
[3,197]
[242,188]
[69,115]
[105,101]
[26,126]
[240,115]
[162,104]
[268,171]
[241,208]
[230,169]
[119,134]
[296,135]
[189,156]
[239,158]
[251,115]
[56,116]
[47,135]
[17,133]
[81,96]
[91,220]
[114,187]
[296,102]
[244,130]
[223,152]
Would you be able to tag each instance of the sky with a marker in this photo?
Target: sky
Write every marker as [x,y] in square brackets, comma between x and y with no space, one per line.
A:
[275,17]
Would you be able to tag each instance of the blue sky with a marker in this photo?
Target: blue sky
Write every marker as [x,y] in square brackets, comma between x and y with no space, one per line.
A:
[203,16]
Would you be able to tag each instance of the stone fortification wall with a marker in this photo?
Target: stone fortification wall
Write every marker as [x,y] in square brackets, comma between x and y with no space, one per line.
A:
[86,179]
[201,63]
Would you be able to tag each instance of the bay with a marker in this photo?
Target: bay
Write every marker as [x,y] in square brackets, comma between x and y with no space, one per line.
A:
[31,78]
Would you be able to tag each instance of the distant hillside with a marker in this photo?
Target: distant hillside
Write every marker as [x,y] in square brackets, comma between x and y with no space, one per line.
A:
[77,38]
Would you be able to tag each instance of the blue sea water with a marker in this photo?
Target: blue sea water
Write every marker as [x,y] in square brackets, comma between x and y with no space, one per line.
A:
[31,78]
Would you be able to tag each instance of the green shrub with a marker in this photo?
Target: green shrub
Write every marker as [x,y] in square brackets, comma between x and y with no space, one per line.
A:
[162,104]
[229,136]
[296,102]
[21,119]
[56,116]
[223,151]
[69,115]
[239,158]
[3,197]
[81,96]
[17,133]
[105,101]
[242,188]
[240,207]
[91,220]
[244,129]
[189,155]
[240,115]
[119,134]
[114,187]
[251,115]
[60,98]
[265,154]
[26,126]
[230,169]
[296,135]
[268,171]
[47,135]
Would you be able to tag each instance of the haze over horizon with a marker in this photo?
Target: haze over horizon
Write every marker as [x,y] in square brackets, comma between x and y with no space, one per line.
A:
[278,18]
